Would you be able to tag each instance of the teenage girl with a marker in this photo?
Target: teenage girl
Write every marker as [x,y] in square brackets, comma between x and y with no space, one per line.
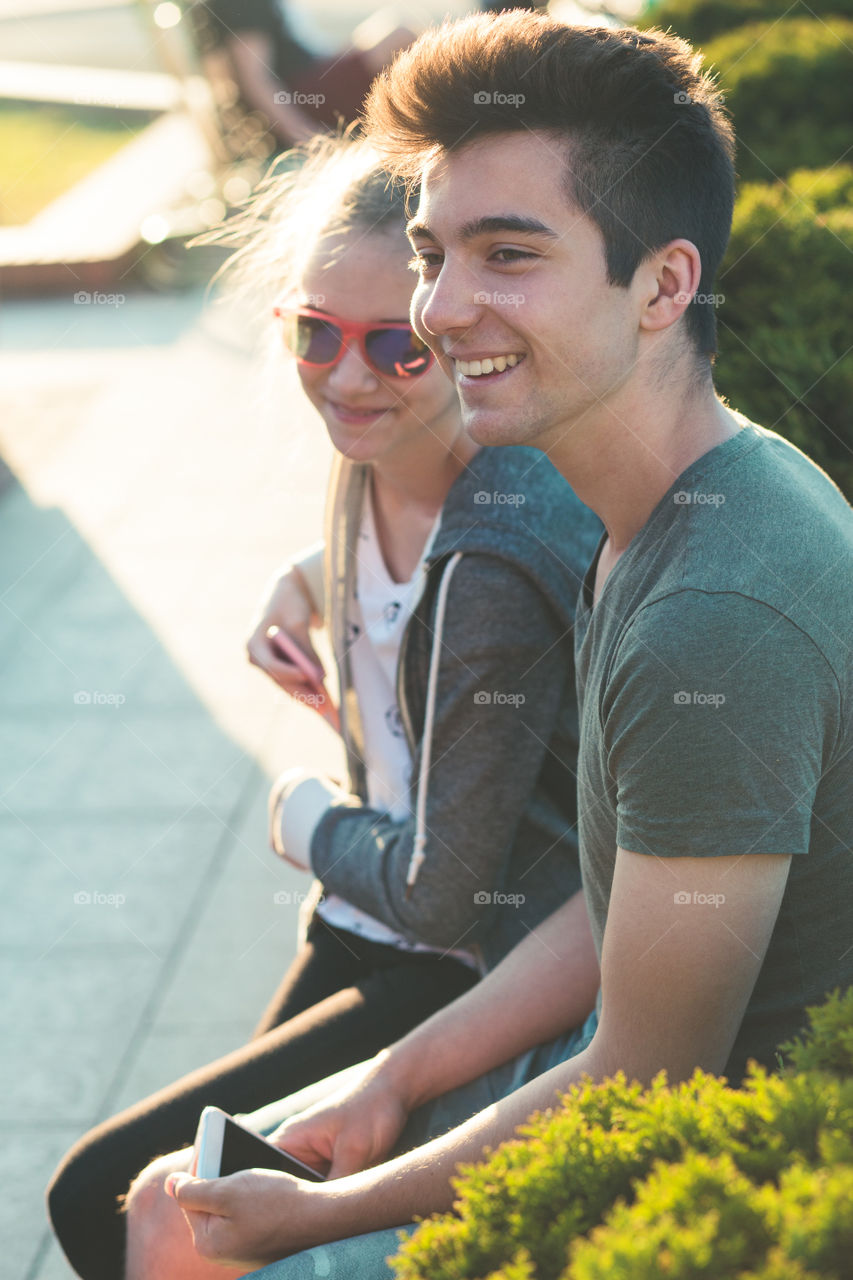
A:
[447,584]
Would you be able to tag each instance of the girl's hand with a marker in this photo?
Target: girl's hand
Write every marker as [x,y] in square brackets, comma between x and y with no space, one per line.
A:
[285,621]
[289,610]
[297,802]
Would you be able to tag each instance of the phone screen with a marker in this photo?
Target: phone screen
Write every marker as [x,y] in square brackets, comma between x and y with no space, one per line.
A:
[244,1150]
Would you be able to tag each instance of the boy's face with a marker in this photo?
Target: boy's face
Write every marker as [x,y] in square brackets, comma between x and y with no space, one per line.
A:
[509,268]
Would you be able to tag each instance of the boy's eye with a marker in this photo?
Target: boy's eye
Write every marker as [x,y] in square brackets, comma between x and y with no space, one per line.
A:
[423,260]
[513,255]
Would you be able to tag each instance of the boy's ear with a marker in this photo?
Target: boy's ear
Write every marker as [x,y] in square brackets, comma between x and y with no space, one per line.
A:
[670,277]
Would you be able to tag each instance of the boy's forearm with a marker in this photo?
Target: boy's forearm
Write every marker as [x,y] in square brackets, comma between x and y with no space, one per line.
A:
[418,1183]
[543,988]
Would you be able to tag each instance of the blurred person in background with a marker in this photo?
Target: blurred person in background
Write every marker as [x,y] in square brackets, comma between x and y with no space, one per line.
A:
[447,584]
[298,92]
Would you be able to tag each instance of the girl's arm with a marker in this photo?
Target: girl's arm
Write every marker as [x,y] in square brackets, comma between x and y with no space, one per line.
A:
[505,679]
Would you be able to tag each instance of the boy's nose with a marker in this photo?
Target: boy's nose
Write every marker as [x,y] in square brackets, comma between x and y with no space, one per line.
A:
[448,304]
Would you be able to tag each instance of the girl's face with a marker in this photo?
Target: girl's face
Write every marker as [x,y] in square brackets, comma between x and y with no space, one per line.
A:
[371,417]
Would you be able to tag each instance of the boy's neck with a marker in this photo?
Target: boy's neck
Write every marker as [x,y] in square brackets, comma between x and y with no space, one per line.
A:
[622,464]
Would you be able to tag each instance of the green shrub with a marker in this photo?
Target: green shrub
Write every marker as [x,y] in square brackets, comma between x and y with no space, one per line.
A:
[701,20]
[700,1218]
[828,1046]
[784,332]
[789,89]
[686,1181]
[704,1219]
[823,190]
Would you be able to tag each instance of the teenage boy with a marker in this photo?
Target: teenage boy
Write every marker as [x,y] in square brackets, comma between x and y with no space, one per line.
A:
[575,201]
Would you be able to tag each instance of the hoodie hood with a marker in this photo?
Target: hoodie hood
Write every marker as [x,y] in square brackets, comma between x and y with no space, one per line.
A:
[511,502]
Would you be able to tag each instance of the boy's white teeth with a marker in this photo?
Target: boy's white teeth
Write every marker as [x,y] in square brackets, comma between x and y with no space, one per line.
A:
[474,368]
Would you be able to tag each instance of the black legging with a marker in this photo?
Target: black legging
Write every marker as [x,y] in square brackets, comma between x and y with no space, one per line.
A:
[342,1000]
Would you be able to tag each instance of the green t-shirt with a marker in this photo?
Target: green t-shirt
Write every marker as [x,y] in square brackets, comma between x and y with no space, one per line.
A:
[716,690]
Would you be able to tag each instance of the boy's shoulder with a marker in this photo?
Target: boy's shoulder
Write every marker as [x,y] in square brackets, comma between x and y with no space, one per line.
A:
[753,530]
[774,528]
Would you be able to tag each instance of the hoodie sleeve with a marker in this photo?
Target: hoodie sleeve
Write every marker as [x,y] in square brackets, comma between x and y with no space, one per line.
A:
[505,677]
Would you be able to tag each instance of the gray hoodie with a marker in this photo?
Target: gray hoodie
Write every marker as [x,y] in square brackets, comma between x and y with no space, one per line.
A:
[486,691]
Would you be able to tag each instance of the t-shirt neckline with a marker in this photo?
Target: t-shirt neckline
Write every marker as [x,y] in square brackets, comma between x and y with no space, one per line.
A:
[731,448]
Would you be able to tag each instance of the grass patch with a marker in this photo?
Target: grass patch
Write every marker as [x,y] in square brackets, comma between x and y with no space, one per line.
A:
[45,149]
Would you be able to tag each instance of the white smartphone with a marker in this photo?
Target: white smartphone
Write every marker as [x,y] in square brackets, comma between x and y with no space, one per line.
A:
[224,1146]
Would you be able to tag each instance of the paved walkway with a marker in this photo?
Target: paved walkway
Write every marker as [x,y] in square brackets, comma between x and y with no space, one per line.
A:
[140,933]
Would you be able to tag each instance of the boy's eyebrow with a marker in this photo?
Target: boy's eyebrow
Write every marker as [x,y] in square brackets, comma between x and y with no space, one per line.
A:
[509,222]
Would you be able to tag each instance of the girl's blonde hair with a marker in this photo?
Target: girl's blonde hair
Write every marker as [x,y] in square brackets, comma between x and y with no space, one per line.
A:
[324,189]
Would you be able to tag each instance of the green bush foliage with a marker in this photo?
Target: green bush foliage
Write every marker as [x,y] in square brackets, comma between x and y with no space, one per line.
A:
[701,20]
[823,190]
[679,1182]
[829,1044]
[785,69]
[784,332]
[789,89]
[703,1219]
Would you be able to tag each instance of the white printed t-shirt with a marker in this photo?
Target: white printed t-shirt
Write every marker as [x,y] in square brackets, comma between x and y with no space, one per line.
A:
[379,609]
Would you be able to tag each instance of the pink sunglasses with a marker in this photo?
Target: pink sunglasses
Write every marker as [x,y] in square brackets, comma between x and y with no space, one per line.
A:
[319,340]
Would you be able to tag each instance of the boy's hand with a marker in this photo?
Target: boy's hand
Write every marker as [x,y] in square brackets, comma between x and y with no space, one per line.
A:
[247,1219]
[349,1131]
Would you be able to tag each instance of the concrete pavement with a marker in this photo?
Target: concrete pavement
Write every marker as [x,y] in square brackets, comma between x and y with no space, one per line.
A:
[140,931]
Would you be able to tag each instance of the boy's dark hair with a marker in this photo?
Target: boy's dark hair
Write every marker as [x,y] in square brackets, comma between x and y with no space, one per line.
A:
[651,154]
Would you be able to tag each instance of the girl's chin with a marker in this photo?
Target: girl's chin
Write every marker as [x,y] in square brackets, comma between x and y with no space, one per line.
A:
[359,445]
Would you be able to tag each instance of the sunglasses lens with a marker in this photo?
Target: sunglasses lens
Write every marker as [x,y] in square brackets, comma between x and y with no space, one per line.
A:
[311,339]
[397,353]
